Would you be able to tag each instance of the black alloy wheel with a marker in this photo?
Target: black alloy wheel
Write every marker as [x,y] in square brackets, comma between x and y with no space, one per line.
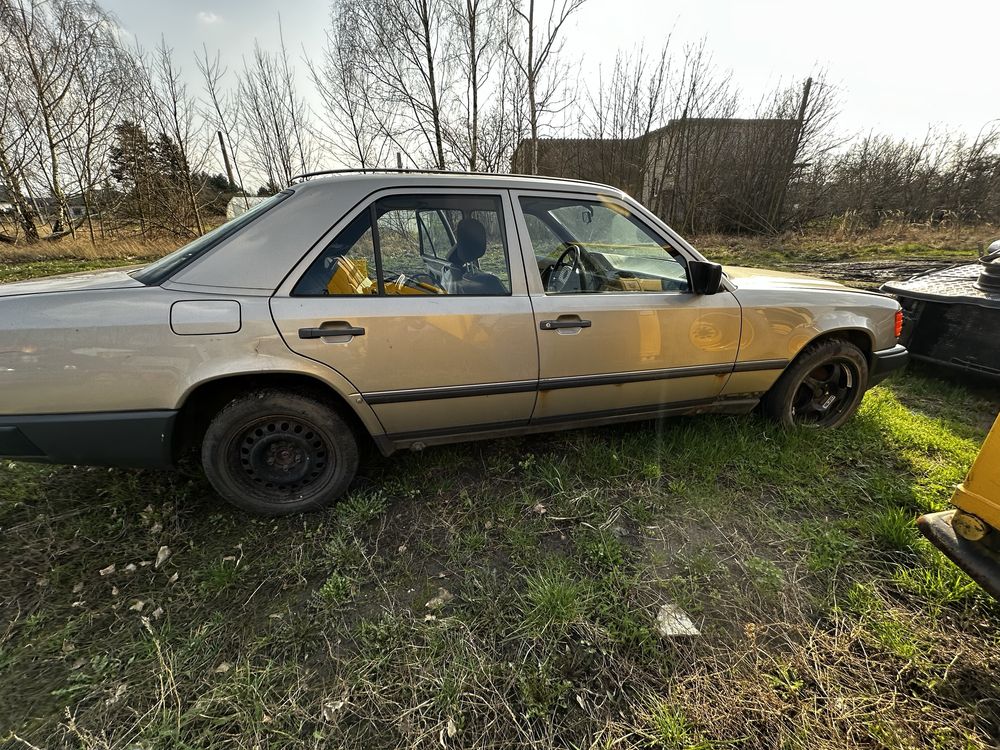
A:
[822,387]
[825,393]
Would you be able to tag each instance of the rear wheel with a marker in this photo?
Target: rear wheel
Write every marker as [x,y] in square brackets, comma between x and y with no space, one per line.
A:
[274,452]
[823,387]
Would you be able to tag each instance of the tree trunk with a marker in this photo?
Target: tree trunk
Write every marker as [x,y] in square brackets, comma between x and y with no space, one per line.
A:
[21,207]
[435,106]
[193,199]
[776,219]
[472,12]
[61,217]
[533,110]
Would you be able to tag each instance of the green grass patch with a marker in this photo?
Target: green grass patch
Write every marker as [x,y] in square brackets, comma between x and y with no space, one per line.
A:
[826,620]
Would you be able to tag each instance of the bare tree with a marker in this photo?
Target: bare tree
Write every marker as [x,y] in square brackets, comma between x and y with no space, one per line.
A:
[621,113]
[274,117]
[50,40]
[221,110]
[99,85]
[401,45]
[15,117]
[479,33]
[504,122]
[174,111]
[535,54]
[342,80]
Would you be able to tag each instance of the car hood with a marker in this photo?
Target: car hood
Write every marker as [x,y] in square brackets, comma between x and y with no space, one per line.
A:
[760,278]
[72,282]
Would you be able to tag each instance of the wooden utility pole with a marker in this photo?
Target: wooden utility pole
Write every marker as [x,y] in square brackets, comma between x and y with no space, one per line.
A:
[777,215]
[225,159]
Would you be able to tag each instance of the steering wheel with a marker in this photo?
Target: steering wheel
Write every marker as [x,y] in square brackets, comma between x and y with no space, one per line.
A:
[564,270]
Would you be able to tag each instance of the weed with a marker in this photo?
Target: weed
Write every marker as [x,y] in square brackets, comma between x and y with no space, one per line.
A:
[359,508]
[600,550]
[764,576]
[829,547]
[542,689]
[893,529]
[670,729]
[336,589]
[553,600]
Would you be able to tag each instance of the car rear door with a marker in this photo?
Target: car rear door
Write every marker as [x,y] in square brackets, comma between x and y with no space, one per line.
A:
[637,341]
[428,362]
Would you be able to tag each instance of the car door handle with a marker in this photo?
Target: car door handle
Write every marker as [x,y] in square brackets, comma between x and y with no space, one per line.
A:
[341,329]
[551,325]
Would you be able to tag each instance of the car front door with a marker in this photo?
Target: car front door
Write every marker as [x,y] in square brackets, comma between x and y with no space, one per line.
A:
[619,332]
[430,360]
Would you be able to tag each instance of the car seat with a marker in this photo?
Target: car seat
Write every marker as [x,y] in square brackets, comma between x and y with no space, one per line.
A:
[469,248]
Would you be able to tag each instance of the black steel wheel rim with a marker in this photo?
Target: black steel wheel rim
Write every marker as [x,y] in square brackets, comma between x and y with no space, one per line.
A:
[281,457]
[825,393]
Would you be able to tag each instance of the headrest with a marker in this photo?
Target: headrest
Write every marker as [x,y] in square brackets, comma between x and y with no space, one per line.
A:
[471,242]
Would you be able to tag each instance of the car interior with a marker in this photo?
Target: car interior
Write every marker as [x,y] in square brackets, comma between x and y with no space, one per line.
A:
[427,246]
[585,246]
[442,245]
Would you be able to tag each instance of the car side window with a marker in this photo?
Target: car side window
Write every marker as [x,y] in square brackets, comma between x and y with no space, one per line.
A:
[544,241]
[346,266]
[422,245]
[591,246]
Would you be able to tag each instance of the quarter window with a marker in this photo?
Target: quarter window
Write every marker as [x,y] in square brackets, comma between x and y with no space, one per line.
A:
[587,246]
[423,245]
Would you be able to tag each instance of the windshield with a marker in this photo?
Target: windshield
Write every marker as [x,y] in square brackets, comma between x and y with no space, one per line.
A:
[159,271]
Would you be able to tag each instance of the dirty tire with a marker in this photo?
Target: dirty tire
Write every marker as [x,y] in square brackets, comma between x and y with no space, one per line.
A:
[273,452]
[823,386]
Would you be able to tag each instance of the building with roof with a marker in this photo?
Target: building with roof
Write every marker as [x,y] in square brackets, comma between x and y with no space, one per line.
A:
[697,173]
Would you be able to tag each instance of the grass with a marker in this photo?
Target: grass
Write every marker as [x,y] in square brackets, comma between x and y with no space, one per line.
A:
[827,622]
[505,593]
[894,241]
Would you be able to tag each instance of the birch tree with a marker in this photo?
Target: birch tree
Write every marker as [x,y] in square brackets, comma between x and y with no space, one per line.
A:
[50,40]
[535,53]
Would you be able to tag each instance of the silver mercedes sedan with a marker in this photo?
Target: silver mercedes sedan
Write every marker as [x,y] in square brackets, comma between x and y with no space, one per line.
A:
[413,309]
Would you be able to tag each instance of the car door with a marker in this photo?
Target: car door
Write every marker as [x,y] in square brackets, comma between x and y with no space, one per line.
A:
[429,361]
[621,334]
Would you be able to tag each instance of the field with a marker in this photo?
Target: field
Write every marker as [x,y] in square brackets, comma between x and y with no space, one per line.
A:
[505,594]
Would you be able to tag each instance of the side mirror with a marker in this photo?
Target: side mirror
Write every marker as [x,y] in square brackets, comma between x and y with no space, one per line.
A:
[705,276]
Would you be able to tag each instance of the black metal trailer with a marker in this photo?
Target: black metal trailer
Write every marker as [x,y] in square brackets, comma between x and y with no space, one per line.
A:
[951,317]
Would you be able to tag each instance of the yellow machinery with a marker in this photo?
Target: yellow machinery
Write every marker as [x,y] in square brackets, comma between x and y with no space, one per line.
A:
[970,534]
[351,277]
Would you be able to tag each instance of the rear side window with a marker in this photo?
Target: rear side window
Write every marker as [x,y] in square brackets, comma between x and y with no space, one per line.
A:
[426,245]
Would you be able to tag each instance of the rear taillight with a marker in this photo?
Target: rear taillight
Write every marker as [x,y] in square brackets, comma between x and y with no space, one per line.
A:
[899,323]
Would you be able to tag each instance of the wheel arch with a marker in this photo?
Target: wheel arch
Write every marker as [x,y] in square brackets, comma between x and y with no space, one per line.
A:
[861,337]
[203,401]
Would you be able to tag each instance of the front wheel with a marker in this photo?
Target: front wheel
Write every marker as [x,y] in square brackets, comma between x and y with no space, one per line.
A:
[823,387]
[273,453]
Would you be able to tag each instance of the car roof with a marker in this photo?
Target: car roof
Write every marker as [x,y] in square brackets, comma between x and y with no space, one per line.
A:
[382,178]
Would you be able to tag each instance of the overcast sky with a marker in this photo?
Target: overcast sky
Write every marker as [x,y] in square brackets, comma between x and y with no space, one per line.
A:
[900,65]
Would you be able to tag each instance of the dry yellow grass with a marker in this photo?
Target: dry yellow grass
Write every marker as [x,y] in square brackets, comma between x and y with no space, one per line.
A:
[80,247]
[892,240]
